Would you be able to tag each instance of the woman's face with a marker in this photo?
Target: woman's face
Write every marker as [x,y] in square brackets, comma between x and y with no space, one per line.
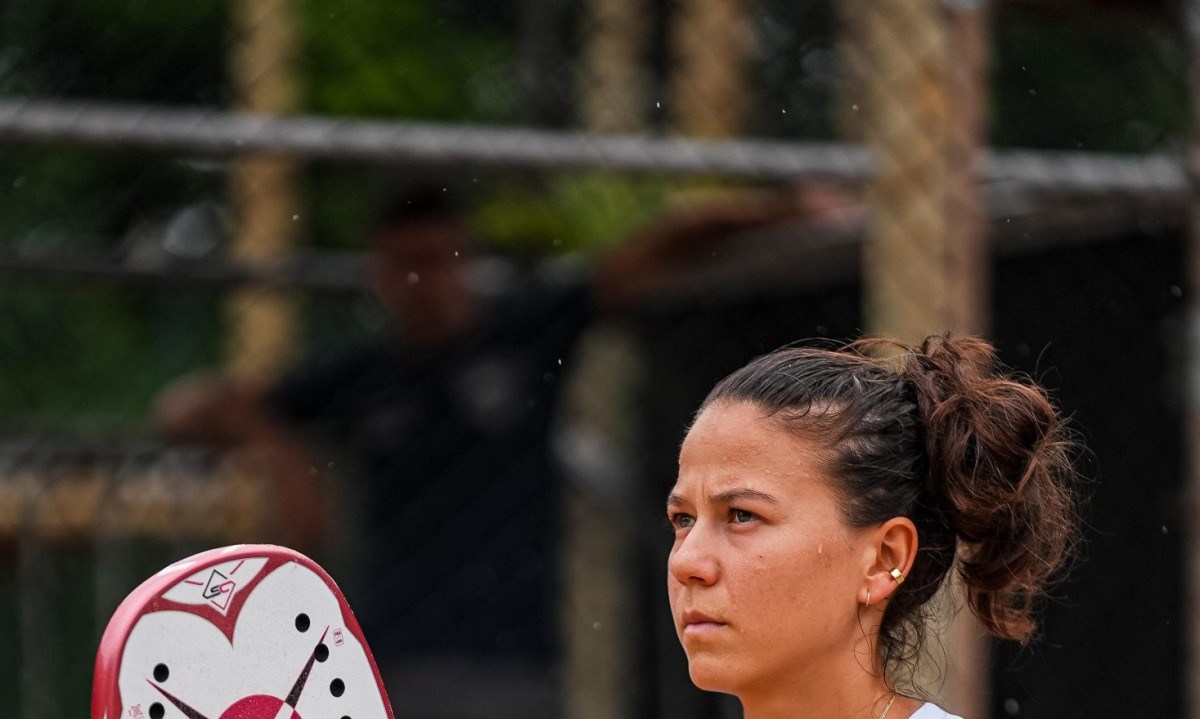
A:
[764,577]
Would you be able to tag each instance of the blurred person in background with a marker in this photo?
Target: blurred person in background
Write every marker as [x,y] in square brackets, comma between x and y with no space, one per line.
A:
[446,421]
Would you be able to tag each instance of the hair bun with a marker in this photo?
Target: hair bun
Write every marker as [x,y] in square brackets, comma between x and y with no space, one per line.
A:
[1001,461]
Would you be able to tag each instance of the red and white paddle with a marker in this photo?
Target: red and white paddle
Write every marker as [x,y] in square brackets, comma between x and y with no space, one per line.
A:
[242,632]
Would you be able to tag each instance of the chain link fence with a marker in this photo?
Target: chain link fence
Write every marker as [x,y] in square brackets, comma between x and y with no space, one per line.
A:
[213,330]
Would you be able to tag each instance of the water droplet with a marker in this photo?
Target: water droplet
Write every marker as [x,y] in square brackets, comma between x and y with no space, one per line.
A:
[413,278]
[854,107]
[1176,291]
[295,217]
[596,626]
[1164,529]
[19,182]
[657,103]
[1011,707]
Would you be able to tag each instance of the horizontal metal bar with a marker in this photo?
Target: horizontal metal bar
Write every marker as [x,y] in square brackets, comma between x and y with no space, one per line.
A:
[326,272]
[1011,231]
[208,131]
[1086,172]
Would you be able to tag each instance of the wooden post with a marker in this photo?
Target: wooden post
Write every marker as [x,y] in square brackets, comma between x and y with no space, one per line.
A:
[907,111]
[969,277]
[615,77]
[920,72]
[600,614]
[262,187]
[599,588]
[711,42]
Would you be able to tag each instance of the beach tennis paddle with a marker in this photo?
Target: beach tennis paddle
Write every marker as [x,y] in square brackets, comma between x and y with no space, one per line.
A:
[242,632]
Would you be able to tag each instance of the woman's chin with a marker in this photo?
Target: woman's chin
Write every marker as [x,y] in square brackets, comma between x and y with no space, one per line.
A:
[711,675]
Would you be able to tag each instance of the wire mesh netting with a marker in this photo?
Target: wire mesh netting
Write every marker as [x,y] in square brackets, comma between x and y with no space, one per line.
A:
[430,289]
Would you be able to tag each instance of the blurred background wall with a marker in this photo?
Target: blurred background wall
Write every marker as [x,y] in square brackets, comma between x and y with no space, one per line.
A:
[190,184]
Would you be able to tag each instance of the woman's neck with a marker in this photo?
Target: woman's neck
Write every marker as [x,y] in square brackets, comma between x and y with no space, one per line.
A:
[838,689]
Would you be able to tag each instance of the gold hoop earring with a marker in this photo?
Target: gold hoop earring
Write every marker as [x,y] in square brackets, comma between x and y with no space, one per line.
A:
[898,576]
[867,603]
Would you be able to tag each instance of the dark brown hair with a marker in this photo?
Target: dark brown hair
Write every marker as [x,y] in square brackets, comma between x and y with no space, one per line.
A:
[978,459]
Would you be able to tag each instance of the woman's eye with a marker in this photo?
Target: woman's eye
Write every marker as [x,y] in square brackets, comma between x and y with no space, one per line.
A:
[681,521]
[741,516]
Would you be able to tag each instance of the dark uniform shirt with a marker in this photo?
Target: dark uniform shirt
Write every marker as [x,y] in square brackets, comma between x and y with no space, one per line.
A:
[452,445]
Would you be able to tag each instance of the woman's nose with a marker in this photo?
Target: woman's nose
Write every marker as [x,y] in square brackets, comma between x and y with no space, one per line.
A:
[693,559]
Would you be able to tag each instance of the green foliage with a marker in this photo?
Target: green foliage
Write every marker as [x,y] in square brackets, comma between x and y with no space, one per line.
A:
[1096,82]
[408,59]
[338,202]
[69,354]
[93,357]
[402,59]
[1099,81]
[71,198]
[49,199]
[569,214]
[90,356]
[134,50]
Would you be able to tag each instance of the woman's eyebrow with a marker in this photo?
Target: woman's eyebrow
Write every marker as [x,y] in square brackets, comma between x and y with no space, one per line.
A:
[733,495]
[727,497]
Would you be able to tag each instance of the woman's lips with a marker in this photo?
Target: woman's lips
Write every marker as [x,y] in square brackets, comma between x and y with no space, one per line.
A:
[700,623]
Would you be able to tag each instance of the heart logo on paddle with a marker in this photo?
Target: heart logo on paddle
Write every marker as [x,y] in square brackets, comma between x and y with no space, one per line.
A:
[242,632]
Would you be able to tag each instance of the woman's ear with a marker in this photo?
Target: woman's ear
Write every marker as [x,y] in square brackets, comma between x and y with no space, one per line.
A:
[894,546]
